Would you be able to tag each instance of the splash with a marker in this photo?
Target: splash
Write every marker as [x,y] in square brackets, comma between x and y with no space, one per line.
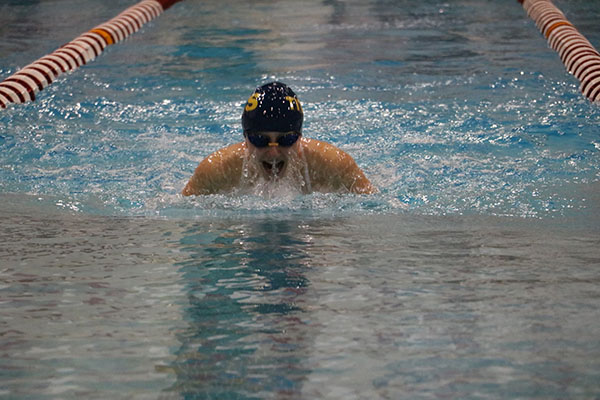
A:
[290,183]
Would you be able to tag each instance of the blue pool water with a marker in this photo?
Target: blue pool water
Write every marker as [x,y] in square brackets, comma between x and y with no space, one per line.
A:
[473,273]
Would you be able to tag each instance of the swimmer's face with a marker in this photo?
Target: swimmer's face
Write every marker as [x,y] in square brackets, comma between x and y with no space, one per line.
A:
[274,158]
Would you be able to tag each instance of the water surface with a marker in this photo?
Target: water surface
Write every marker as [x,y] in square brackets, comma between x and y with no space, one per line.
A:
[473,274]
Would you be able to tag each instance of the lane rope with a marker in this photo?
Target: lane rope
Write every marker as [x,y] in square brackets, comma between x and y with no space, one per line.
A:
[25,83]
[578,55]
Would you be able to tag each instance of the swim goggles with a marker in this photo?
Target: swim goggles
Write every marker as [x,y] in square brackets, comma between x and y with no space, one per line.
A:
[286,140]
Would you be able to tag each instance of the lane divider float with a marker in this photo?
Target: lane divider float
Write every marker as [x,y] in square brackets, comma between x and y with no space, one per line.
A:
[578,55]
[25,83]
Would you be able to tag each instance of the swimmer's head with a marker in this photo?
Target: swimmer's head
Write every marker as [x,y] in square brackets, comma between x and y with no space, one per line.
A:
[273,107]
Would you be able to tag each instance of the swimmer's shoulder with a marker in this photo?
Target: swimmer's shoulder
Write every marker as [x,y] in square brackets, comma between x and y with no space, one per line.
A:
[219,171]
[331,168]
[320,154]
[232,155]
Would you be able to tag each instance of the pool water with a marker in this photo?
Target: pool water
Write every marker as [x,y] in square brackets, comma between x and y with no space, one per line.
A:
[473,273]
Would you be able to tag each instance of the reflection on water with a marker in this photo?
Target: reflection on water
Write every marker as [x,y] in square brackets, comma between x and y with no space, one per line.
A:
[87,304]
[376,308]
[281,306]
[245,289]
[424,308]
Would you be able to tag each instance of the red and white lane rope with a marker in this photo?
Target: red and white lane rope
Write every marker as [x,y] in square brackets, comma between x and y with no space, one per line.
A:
[577,54]
[25,83]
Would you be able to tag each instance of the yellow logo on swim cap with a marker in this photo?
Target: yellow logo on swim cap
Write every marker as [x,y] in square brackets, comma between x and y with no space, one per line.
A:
[252,102]
[294,104]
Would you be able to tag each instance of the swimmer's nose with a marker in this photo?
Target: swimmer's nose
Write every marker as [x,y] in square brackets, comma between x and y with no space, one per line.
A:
[273,149]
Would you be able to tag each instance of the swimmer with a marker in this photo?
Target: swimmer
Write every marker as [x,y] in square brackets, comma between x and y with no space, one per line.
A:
[275,151]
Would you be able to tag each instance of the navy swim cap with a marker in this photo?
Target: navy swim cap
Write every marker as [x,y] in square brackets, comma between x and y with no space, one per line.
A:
[273,107]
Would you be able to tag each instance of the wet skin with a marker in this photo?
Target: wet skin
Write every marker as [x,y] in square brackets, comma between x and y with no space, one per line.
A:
[326,167]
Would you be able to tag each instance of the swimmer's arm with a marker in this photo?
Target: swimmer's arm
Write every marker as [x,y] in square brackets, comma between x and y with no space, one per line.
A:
[336,169]
[218,172]
[352,177]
